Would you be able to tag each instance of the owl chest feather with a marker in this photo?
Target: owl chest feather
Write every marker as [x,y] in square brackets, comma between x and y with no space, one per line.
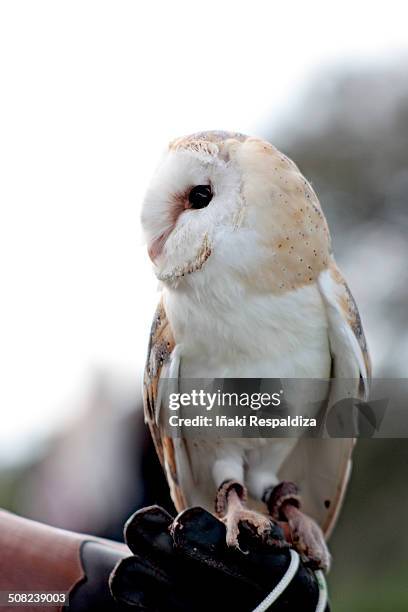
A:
[227,332]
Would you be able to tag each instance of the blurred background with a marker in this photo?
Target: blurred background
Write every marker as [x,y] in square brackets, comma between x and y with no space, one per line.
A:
[90,94]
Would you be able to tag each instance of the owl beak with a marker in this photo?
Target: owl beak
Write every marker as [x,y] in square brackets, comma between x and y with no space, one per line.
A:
[152,251]
[156,246]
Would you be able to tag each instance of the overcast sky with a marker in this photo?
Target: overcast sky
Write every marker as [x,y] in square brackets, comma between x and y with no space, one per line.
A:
[90,94]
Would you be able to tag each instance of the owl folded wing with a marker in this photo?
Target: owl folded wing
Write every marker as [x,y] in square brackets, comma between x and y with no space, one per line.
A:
[321,467]
[348,345]
[162,362]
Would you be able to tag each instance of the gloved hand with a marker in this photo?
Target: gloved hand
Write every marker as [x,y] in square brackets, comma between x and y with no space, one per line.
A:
[184,565]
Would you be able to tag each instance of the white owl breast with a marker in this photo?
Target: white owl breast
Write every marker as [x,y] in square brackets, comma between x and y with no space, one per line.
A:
[225,334]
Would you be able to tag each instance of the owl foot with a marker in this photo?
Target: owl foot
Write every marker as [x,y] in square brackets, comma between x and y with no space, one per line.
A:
[230,507]
[306,536]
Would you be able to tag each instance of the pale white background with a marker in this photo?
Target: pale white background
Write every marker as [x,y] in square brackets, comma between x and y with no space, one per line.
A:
[90,93]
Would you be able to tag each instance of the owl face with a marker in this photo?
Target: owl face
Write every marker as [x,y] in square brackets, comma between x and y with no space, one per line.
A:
[231,204]
[191,205]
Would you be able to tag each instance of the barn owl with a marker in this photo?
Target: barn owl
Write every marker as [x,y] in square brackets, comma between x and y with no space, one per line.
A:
[249,288]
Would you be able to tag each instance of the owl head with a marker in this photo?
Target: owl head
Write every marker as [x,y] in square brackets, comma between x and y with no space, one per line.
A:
[222,203]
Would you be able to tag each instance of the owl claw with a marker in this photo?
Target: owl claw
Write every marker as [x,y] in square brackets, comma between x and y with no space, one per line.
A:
[306,536]
[230,506]
[258,523]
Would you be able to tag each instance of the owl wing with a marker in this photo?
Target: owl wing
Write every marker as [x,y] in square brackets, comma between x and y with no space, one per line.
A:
[162,361]
[321,466]
[346,336]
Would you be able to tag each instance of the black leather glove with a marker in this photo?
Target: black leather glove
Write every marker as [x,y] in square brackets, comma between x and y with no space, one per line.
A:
[184,565]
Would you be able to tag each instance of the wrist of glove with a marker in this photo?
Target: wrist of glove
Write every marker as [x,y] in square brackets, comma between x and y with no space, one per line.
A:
[184,565]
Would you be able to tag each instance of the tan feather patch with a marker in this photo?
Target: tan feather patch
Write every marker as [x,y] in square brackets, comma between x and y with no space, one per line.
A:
[161,345]
[287,215]
[351,314]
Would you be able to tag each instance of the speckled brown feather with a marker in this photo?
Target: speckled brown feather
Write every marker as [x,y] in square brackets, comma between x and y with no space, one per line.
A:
[215,136]
[161,345]
[350,311]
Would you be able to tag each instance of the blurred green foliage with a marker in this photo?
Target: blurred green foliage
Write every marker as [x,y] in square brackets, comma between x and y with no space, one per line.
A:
[370,542]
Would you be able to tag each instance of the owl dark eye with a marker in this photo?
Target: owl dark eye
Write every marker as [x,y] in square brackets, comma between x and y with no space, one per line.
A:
[200,196]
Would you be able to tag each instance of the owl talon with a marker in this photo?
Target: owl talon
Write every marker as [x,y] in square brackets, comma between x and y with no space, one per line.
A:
[225,489]
[230,507]
[306,536]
